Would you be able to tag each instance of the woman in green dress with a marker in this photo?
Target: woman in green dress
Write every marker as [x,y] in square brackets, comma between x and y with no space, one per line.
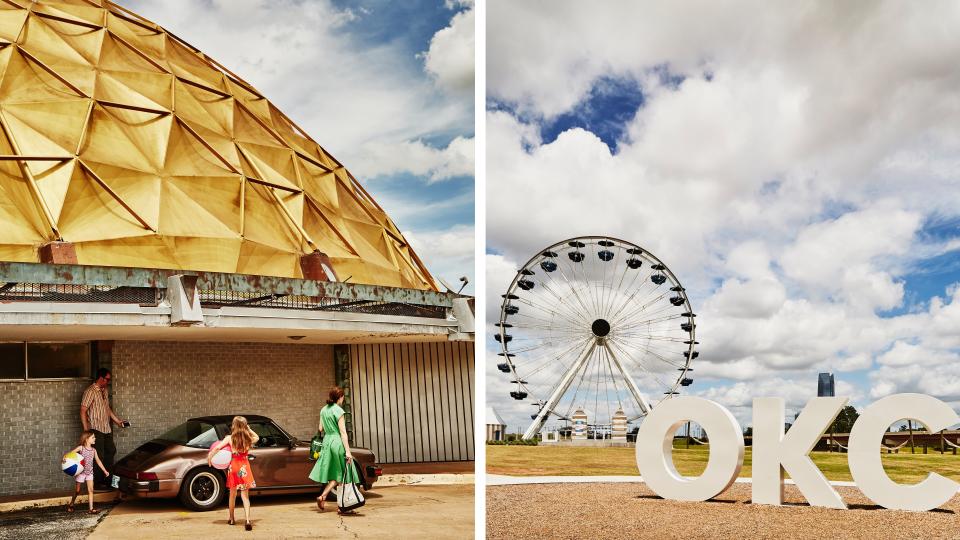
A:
[335,454]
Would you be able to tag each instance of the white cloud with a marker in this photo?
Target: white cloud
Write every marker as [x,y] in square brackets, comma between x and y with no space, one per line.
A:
[448,254]
[417,158]
[787,179]
[450,57]
[759,298]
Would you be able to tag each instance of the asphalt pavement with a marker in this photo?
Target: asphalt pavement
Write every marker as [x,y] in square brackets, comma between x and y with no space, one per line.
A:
[51,523]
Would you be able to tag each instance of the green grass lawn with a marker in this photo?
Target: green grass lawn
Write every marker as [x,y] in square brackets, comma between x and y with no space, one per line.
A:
[585,461]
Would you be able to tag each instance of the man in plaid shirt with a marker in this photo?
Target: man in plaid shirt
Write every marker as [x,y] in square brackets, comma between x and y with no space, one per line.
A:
[96,415]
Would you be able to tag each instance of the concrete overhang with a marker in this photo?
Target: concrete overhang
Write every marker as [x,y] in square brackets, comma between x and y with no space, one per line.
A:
[56,321]
[71,302]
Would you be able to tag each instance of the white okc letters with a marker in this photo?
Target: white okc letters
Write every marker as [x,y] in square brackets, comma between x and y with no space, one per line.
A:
[774,453]
[654,455]
[864,459]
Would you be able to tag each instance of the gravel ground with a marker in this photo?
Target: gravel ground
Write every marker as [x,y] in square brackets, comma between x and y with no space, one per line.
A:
[632,510]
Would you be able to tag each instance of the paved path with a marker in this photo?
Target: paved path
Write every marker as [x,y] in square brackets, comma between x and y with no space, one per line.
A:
[421,511]
[504,480]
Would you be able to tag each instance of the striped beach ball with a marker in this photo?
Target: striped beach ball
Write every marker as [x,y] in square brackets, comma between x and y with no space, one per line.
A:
[72,464]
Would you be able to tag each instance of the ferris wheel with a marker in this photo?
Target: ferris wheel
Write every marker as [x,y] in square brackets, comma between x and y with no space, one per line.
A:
[595,324]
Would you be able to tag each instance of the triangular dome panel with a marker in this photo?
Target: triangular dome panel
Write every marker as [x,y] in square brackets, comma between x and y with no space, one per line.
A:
[142,151]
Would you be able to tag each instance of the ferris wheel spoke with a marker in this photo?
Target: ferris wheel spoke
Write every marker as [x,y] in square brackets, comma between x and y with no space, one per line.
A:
[612,299]
[649,351]
[573,289]
[544,285]
[652,379]
[627,301]
[548,359]
[586,288]
[572,309]
[641,308]
[612,291]
[638,299]
[530,345]
[539,346]
[631,384]
[545,310]
[645,302]
[661,314]
[536,305]
[558,392]
[660,353]
[573,399]
[561,323]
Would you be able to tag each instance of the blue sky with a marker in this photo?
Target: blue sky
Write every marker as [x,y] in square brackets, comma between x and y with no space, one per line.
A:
[807,196]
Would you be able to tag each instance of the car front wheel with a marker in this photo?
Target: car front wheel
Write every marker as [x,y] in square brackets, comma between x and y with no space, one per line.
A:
[203,489]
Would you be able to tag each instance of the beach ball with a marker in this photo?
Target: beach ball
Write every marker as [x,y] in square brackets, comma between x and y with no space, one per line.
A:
[72,464]
[221,460]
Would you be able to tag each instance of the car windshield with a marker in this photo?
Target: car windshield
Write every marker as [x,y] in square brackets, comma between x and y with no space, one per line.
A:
[193,433]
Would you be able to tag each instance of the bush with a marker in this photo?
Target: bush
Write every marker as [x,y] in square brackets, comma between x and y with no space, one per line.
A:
[514,442]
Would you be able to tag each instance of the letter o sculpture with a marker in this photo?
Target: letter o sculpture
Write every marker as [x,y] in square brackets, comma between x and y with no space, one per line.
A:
[655,449]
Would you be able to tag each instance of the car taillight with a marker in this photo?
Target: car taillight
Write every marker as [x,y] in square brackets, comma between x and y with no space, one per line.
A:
[377,471]
[146,476]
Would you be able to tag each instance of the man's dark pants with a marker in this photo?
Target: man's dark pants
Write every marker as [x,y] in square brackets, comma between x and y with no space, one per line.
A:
[106,451]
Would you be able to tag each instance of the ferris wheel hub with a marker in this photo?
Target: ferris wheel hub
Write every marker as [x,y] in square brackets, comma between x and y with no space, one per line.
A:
[600,328]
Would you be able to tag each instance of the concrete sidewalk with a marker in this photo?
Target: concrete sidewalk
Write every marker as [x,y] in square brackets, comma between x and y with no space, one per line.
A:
[428,511]
[46,500]
[414,474]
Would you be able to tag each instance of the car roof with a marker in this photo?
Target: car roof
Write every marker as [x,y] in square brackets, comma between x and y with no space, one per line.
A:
[227,418]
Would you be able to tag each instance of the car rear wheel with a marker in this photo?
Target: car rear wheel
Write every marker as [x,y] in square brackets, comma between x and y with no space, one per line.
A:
[203,489]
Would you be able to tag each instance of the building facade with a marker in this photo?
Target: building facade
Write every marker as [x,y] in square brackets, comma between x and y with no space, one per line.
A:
[825,387]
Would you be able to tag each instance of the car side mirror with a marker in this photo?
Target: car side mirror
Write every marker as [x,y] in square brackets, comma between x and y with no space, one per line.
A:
[294,442]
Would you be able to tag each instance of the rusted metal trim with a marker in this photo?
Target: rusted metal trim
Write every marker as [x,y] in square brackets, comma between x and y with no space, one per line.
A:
[256,300]
[70,274]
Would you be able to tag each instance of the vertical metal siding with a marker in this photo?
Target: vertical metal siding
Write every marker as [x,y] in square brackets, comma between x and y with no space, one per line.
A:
[413,402]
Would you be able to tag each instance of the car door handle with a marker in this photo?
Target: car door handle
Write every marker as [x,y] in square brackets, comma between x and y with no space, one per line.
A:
[251,458]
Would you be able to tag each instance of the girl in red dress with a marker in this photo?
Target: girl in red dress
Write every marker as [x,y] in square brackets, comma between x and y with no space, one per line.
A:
[239,473]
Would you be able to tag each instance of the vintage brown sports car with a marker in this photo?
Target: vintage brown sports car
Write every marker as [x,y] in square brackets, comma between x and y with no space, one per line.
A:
[175,463]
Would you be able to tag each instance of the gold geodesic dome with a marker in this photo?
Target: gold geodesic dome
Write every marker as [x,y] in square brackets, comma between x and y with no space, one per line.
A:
[141,151]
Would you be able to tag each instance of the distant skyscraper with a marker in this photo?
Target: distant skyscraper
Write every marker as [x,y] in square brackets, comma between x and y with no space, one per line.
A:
[825,385]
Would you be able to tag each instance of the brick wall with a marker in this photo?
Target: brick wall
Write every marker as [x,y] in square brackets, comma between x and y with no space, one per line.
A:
[39,422]
[157,385]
